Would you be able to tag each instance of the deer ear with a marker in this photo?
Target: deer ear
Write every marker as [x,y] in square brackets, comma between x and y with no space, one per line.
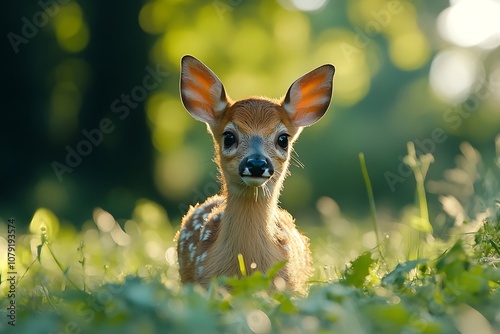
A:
[309,96]
[202,92]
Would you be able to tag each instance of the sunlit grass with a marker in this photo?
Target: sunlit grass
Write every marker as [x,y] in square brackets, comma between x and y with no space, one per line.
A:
[120,275]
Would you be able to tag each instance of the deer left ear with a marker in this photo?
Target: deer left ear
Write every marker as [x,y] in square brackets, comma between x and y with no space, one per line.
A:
[202,92]
[308,98]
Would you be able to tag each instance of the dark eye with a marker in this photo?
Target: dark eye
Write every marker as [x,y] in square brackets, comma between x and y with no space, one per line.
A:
[229,139]
[283,141]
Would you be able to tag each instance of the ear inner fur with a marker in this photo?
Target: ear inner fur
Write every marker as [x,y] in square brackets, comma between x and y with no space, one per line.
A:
[202,91]
[308,97]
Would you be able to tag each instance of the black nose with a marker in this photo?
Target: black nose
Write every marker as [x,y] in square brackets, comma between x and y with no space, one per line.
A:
[256,165]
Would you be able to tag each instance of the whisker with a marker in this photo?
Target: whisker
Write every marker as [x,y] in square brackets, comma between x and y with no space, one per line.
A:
[294,159]
[267,191]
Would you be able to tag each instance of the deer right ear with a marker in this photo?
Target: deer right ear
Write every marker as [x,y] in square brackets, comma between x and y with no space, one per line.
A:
[202,92]
[309,96]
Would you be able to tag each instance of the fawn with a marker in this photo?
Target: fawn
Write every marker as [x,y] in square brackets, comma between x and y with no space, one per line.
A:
[253,142]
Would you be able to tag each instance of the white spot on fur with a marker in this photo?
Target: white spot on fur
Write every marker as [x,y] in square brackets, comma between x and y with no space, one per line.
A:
[192,251]
[206,235]
[197,225]
[201,258]
[199,271]
[205,216]
[186,234]
[199,212]
[183,235]
[266,173]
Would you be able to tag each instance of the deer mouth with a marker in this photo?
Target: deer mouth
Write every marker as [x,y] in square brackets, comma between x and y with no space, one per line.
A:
[254,181]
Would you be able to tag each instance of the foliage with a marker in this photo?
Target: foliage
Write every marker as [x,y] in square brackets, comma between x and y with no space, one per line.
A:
[417,296]
[113,279]
[434,271]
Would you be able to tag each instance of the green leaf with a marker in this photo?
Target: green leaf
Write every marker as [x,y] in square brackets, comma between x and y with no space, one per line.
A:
[492,274]
[453,262]
[273,271]
[399,274]
[359,270]
[473,282]
[394,316]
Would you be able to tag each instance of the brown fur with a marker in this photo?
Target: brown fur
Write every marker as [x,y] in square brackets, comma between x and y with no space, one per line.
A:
[246,219]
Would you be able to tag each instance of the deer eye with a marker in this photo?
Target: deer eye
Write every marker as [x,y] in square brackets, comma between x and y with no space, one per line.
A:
[229,139]
[283,141]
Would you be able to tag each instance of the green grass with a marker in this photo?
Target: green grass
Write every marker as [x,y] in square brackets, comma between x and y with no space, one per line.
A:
[121,277]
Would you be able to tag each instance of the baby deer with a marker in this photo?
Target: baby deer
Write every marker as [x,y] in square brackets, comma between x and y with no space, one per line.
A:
[253,142]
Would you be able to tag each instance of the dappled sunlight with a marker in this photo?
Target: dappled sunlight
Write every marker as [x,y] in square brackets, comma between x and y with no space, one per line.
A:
[168,120]
[453,208]
[250,44]
[238,88]
[154,16]
[106,248]
[150,214]
[262,54]
[470,23]
[304,5]
[179,172]
[177,41]
[104,220]
[102,160]
[453,72]
[409,51]
[71,29]
[44,221]
[291,32]
[352,76]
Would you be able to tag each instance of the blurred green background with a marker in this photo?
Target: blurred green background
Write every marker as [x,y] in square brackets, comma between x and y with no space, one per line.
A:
[406,70]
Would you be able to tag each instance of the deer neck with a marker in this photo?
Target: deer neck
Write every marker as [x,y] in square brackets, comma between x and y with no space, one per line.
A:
[249,225]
